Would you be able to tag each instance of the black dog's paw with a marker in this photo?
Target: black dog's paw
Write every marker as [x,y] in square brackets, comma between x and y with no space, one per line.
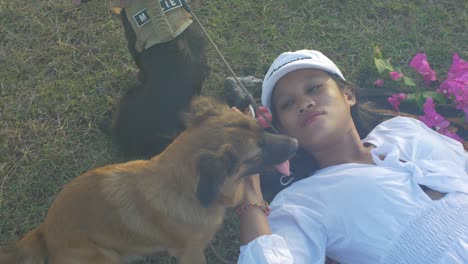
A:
[234,94]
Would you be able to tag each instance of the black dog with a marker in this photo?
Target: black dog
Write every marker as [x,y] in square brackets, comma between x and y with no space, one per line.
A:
[171,74]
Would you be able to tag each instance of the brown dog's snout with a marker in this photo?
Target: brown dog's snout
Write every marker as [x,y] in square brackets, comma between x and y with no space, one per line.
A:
[278,148]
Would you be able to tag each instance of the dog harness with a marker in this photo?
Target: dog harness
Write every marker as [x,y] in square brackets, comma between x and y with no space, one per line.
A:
[154,22]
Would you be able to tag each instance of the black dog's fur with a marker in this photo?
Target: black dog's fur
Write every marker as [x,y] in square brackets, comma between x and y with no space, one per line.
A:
[171,74]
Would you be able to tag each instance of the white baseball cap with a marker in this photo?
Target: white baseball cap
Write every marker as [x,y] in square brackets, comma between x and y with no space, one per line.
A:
[294,60]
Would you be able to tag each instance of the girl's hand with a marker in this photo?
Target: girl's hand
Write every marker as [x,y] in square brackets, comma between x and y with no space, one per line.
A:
[253,221]
[252,192]
[249,111]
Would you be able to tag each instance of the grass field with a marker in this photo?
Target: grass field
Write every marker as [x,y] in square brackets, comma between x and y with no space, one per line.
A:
[63,68]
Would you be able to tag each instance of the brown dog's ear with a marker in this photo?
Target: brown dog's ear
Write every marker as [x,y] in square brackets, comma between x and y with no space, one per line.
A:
[201,108]
[213,169]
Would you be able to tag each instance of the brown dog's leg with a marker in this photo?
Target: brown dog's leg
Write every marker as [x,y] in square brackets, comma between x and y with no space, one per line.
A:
[192,255]
[92,255]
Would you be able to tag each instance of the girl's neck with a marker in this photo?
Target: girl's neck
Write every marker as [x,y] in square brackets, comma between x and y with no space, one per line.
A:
[349,149]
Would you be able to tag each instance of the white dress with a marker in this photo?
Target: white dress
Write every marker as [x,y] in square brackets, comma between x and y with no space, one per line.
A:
[361,213]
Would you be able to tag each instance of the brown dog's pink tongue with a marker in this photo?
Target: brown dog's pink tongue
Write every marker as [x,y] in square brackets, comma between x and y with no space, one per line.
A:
[283,168]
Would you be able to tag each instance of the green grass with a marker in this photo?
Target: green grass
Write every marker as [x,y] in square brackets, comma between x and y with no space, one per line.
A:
[63,68]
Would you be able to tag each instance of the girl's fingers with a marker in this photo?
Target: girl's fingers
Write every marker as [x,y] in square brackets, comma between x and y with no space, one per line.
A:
[235,109]
[248,111]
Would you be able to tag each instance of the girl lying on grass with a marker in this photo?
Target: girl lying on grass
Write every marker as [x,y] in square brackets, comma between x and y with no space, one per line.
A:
[400,195]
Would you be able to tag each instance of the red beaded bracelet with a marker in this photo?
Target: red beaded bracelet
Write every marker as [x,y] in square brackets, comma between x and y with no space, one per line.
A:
[244,207]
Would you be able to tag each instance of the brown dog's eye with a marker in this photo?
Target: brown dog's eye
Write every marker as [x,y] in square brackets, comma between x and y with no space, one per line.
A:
[255,158]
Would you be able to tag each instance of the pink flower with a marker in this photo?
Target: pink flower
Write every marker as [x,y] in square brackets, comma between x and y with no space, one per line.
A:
[379,82]
[395,75]
[421,65]
[457,77]
[402,96]
[434,120]
[456,84]
[263,111]
[431,118]
[458,69]
[395,100]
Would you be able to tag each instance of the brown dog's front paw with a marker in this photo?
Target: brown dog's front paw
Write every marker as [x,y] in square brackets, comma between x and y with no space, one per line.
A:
[189,256]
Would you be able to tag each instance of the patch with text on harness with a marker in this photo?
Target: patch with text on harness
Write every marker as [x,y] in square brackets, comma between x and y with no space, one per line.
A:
[142,17]
[155,22]
[170,4]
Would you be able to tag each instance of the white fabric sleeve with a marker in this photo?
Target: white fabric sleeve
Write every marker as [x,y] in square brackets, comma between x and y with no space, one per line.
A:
[449,143]
[296,239]
[266,249]
[442,161]
[466,161]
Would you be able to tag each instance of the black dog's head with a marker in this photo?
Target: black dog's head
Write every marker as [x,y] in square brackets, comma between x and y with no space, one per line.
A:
[230,146]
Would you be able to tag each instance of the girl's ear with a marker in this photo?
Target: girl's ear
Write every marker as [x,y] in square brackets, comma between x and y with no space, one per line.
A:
[350,96]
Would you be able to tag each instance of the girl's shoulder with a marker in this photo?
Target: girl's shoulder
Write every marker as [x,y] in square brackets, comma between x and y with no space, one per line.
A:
[397,130]
[401,123]
[413,138]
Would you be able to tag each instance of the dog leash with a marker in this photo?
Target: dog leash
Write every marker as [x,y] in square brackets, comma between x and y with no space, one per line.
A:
[187,8]
[246,92]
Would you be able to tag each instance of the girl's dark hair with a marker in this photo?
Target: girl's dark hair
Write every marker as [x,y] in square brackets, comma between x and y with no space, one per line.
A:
[365,118]
[364,113]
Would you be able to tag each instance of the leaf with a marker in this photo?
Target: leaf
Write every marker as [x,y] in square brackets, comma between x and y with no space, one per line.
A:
[438,97]
[379,63]
[408,81]
[388,65]
[420,97]
[383,65]
[377,52]
[417,98]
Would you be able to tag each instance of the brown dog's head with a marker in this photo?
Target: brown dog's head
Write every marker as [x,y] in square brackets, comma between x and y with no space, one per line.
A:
[230,146]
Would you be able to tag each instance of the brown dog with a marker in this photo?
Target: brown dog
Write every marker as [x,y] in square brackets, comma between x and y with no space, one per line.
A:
[175,201]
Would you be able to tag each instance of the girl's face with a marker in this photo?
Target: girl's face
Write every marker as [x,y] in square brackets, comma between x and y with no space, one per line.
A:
[311,107]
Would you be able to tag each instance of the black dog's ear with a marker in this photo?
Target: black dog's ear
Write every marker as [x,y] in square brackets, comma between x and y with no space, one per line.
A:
[213,169]
[202,108]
